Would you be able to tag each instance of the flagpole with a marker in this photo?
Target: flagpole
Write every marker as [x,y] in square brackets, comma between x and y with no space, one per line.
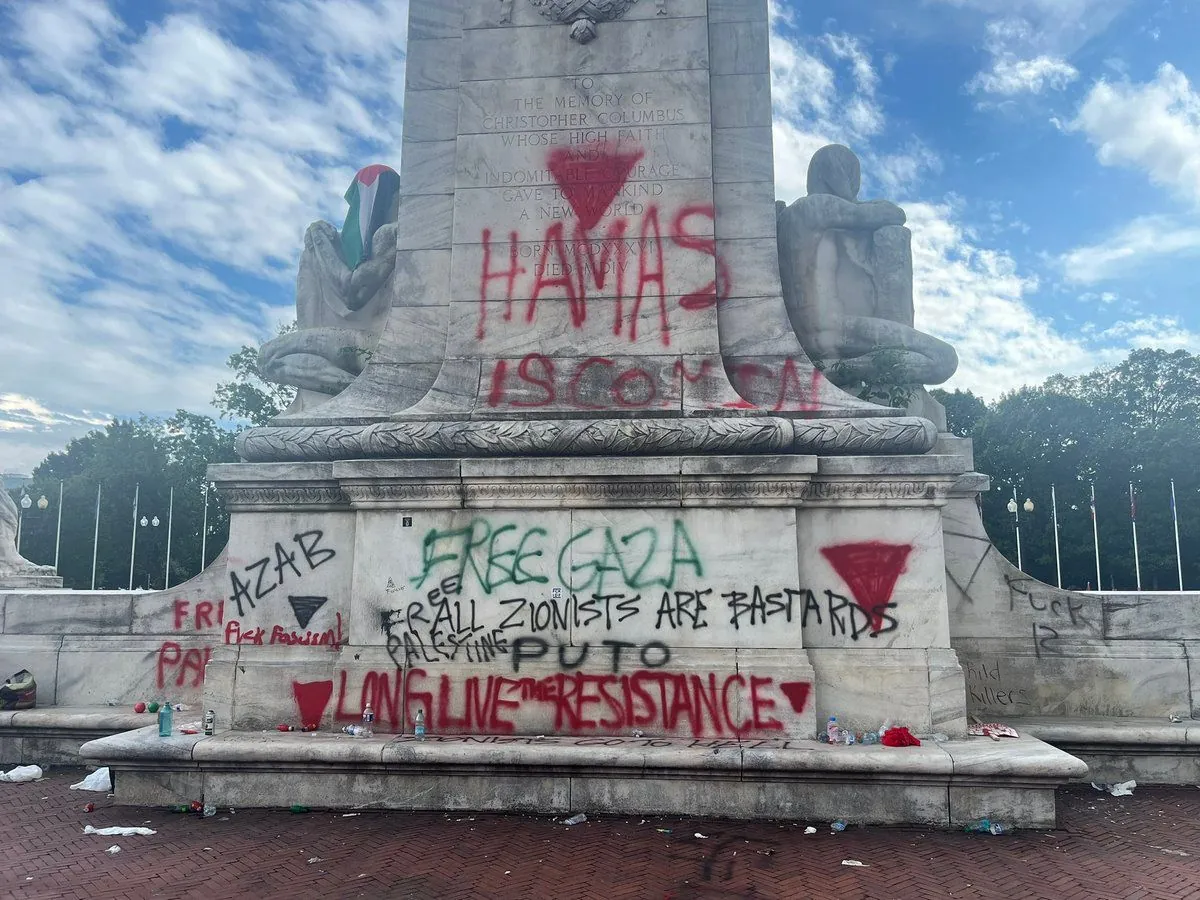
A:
[1175,517]
[96,537]
[1137,563]
[1096,539]
[58,530]
[170,518]
[1057,558]
[133,541]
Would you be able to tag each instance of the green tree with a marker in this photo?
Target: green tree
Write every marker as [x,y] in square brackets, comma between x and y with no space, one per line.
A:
[151,456]
[1139,423]
[963,410]
[247,395]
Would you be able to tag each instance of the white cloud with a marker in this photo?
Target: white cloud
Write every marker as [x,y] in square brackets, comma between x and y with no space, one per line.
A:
[966,293]
[154,188]
[1010,76]
[976,299]
[825,91]
[1144,240]
[1152,126]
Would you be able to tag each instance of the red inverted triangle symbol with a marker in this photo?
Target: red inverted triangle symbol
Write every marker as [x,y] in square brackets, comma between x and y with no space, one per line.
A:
[591,184]
[870,569]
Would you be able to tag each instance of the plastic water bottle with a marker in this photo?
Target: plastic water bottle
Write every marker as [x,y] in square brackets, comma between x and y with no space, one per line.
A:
[835,733]
[368,721]
[419,729]
[166,718]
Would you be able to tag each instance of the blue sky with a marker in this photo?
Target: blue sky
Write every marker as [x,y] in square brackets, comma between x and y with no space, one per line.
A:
[160,161]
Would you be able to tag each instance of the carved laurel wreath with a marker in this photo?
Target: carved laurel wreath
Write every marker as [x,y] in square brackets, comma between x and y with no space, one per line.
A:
[583,14]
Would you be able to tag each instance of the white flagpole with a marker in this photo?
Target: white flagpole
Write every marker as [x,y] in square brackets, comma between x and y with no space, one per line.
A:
[1057,558]
[1175,517]
[58,531]
[204,530]
[170,517]
[1096,539]
[133,541]
[96,537]
[1137,562]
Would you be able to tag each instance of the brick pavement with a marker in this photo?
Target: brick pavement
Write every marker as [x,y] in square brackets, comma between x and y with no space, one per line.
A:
[1143,846]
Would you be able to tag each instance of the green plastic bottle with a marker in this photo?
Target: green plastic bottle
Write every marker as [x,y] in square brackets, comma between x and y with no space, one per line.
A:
[165,719]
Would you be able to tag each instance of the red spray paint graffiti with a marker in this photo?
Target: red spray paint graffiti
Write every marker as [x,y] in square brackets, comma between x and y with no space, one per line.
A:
[590,182]
[699,704]
[871,569]
[312,698]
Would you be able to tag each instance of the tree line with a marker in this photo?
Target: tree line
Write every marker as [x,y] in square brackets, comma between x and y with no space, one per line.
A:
[1136,422]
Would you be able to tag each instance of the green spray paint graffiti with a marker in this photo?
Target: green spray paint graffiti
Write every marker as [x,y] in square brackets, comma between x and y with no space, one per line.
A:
[591,559]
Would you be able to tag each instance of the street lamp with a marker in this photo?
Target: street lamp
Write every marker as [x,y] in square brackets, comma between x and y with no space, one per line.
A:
[1015,511]
[43,503]
[25,504]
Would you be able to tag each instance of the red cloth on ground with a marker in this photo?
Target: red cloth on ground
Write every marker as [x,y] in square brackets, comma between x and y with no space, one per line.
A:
[899,737]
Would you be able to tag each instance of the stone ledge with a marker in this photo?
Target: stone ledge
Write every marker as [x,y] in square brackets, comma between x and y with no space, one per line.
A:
[52,735]
[1149,751]
[731,778]
[1130,731]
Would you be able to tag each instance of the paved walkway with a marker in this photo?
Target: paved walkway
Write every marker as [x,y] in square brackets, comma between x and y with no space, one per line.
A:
[1146,845]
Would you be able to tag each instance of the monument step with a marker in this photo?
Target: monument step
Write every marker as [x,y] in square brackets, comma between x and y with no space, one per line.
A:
[1147,750]
[944,784]
[52,735]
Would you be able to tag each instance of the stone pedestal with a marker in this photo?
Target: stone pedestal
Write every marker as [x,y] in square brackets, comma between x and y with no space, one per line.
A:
[736,597]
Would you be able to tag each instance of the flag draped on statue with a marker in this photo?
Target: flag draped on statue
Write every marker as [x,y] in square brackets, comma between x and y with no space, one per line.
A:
[370,196]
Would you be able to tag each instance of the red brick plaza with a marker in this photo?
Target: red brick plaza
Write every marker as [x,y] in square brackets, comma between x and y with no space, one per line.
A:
[1146,845]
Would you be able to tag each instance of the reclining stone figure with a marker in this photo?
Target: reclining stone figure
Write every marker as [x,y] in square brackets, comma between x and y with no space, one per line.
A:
[847,282]
[342,294]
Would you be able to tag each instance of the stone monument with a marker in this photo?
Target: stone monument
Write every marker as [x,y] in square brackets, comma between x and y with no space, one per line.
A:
[589,492]
[15,570]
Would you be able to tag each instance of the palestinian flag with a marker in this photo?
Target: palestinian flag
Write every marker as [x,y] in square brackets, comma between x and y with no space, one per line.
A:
[370,197]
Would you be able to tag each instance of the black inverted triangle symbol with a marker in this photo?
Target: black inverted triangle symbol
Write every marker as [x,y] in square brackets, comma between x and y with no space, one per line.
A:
[306,607]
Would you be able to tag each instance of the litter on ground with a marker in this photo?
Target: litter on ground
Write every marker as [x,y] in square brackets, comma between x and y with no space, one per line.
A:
[100,780]
[119,830]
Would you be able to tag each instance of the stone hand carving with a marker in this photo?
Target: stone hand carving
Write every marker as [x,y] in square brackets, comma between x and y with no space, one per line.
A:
[584,14]
[847,282]
[342,293]
[12,562]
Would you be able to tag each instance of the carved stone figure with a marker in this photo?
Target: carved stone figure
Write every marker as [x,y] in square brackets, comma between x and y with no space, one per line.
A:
[583,14]
[847,282]
[342,294]
[12,562]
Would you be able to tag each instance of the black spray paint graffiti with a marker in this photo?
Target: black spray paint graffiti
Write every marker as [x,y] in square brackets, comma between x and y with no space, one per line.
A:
[260,581]
[446,625]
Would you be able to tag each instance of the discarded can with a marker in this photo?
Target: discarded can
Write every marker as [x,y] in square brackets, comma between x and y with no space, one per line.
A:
[839,825]
[282,727]
[210,721]
[91,807]
[297,808]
